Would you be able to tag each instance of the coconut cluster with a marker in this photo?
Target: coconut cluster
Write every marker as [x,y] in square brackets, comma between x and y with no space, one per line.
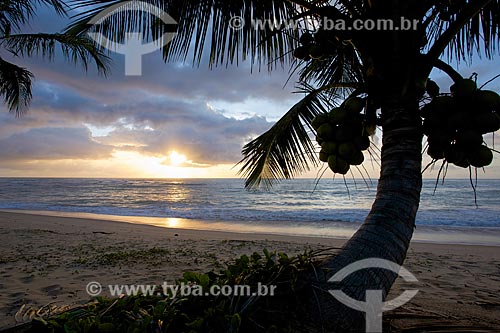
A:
[318,46]
[342,135]
[455,124]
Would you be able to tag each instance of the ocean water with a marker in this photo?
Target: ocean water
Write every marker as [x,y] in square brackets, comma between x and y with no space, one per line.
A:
[299,202]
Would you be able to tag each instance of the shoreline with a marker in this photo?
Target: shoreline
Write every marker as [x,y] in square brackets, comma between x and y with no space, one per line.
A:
[46,259]
[480,236]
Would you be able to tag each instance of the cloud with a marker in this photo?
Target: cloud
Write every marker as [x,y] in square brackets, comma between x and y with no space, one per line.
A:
[205,136]
[52,144]
[208,115]
[151,126]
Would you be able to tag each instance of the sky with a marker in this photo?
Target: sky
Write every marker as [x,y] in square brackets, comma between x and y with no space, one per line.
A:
[173,121]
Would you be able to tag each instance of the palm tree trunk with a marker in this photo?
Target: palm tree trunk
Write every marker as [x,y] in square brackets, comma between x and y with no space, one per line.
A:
[388,228]
[386,232]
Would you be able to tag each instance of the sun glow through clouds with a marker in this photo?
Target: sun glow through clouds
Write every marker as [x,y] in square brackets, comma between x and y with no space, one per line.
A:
[134,164]
[176,159]
[156,167]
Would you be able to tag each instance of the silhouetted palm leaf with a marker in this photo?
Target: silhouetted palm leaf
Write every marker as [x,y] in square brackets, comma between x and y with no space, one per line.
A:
[199,21]
[15,86]
[14,14]
[344,66]
[286,149]
[474,27]
[15,81]
[78,49]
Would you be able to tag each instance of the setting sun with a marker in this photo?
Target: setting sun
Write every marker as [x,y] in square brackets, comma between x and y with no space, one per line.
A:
[172,165]
[176,159]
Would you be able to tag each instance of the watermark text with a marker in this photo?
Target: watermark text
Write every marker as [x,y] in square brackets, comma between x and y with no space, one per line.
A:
[404,24]
[95,288]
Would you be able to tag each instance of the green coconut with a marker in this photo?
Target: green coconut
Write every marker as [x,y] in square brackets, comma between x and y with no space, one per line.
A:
[486,100]
[321,36]
[435,151]
[323,156]
[362,142]
[333,161]
[432,125]
[469,139]
[427,127]
[344,133]
[463,88]
[426,110]
[319,140]
[441,139]
[357,159]
[454,154]
[486,123]
[338,115]
[464,163]
[347,150]
[316,52]
[354,105]
[480,157]
[319,120]
[355,124]
[326,131]
[443,105]
[301,52]
[432,88]
[329,147]
[458,120]
[338,165]
[345,169]
[306,38]
[369,129]
[355,119]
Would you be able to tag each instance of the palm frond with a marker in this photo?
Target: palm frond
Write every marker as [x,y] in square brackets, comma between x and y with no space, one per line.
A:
[344,66]
[59,6]
[286,149]
[204,27]
[14,14]
[77,49]
[472,29]
[15,87]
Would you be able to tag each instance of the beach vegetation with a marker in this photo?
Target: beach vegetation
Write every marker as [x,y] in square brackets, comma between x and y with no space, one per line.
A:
[168,312]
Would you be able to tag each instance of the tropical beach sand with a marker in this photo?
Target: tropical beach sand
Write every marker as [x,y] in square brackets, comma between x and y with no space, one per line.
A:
[46,259]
